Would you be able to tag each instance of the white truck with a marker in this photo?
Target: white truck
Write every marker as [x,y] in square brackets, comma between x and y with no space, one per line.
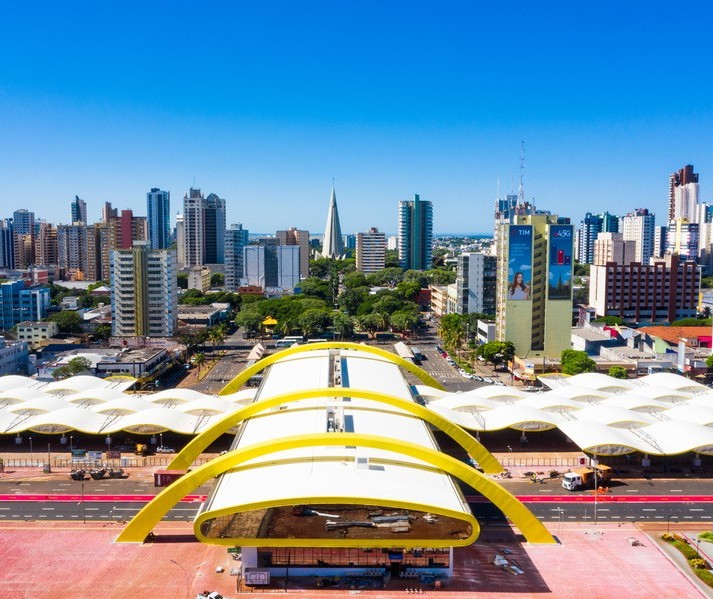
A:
[582,478]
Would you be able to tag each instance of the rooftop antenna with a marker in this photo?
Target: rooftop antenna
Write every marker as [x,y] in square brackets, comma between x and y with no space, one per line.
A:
[521,191]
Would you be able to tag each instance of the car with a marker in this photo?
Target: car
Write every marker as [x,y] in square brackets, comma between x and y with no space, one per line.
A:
[164,449]
[499,383]
[477,377]
[487,379]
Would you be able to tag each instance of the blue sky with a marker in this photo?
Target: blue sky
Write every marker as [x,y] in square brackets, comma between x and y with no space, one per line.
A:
[264,102]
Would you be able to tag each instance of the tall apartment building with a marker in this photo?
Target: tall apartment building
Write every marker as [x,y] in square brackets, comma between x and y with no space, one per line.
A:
[612,247]
[591,226]
[158,211]
[108,212]
[46,244]
[24,250]
[639,226]
[299,238]
[370,251]
[683,194]
[180,240]
[236,238]
[23,221]
[682,238]
[660,235]
[203,229]
[534,284]
[476,283]
[7,244]
[272,265]
[18,303]
[100,240]
[78,209]
[415,234]
[333,243]
[72,247]
[664,290]
[125,229]
[144,292]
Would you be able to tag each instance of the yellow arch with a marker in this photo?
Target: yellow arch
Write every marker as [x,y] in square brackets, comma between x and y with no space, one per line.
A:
[197,445]
[240,380]
[142,524]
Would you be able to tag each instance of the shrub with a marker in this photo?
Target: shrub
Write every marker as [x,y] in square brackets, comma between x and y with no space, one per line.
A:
[554,473]
[706,536]
[667,536]
[698,563]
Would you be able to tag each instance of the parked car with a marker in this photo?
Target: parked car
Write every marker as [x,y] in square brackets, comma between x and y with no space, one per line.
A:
[477,377]
[488,380]
[164,449]
[499,383]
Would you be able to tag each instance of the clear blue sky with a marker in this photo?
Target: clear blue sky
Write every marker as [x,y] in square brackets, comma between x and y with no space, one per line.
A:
[264,102]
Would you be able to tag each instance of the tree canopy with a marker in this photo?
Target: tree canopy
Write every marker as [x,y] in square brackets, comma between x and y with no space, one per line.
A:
[573,362]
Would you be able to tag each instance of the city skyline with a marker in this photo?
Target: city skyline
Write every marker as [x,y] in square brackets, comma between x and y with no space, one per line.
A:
[285,98]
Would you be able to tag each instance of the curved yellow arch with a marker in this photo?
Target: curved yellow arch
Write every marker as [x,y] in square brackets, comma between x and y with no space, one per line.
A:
[197,445]
[240,380]
[142,524]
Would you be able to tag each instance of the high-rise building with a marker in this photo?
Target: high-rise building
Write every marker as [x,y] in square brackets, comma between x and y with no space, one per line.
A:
[333,244]
[682,238]
[72,247]
[476,283]
[144,292]
[46,244]
[203,229]
[660,235]
[612,247]
[78,211]
[664,290]
[108,212]
[158,210]
[370,251]
[271,265]
[180,240]
[639,227]
[534,284]
[24,250]
[591,226]
[125,229]
[214,221]
[300,238]
[23,221]
[100,238]
[236,238]
[7,244]
[415,234]
[683,194]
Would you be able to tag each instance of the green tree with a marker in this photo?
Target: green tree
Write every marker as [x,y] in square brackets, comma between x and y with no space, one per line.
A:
[315,287]
[61,373]
[408,290]
[343,325]
[709,361]
[350,299]
[581,270]
[371,323]
[404,321]
[496,352]
[68,321]
[610,320]
[250,321]
[573,362]
[182,280]
[618,372]
[386,276]
[452,330]
[217,279]
[314,321]
[353,280]
[692,322]
[392,259]
[103,331]
[199,360]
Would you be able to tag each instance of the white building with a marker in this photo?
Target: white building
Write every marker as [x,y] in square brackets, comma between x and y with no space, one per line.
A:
[476,283]
[199,278]
[370,251]
[276,266]
[14,357]
[144,297]
[35,333]
[639,226]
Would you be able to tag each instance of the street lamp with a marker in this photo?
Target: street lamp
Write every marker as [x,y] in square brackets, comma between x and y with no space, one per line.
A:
[160,436]
[32,456]
[71,439]
[49,458]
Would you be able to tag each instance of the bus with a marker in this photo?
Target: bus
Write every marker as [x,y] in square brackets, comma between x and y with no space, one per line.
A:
[289,341]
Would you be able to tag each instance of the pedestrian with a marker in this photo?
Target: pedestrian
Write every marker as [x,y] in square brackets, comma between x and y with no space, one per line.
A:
[509,448]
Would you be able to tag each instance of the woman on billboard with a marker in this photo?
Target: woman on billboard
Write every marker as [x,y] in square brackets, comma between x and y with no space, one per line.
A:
[517,290]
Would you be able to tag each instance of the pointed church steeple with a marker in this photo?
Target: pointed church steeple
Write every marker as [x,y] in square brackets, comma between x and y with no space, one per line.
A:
[333,244]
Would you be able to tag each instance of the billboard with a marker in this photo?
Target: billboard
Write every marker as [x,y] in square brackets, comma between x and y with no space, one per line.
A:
[559,279]
[519,262]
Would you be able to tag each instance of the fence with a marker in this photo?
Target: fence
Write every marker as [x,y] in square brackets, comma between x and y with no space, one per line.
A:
[66,462]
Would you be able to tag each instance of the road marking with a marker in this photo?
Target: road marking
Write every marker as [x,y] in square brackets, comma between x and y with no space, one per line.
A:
[696,509]
[658,516]
[688,517]
[603,509]
[706,517]
[4,508]
[48,509]
[631,517]
[649,509]
[632,490]
[676,490]
[94,509]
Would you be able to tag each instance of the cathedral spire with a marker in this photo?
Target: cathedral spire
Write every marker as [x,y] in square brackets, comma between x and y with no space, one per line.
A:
[333,244]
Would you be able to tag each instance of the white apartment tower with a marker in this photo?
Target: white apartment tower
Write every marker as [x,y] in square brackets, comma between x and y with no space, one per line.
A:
[236,238]
[299,238]
[370,251]
[144,292]
[639,226]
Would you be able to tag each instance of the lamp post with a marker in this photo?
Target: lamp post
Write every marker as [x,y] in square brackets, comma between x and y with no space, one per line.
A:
[160,437]
[595,463]
[84,511]
[32,455]
[71,439]
[49,458]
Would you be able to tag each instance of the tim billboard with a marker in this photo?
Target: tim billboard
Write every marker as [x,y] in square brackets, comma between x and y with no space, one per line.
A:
[520,262]
[559,284]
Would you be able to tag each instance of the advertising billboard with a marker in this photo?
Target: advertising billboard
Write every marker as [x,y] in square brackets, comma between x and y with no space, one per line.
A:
[519,262]
[559,280]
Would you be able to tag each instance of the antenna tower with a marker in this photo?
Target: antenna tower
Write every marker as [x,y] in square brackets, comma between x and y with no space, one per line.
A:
[521,191]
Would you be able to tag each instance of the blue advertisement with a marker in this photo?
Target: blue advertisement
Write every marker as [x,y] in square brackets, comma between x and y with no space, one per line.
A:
[559,284]
[520,262]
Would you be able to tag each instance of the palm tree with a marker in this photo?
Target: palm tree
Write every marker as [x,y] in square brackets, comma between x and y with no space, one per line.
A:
[199,360]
